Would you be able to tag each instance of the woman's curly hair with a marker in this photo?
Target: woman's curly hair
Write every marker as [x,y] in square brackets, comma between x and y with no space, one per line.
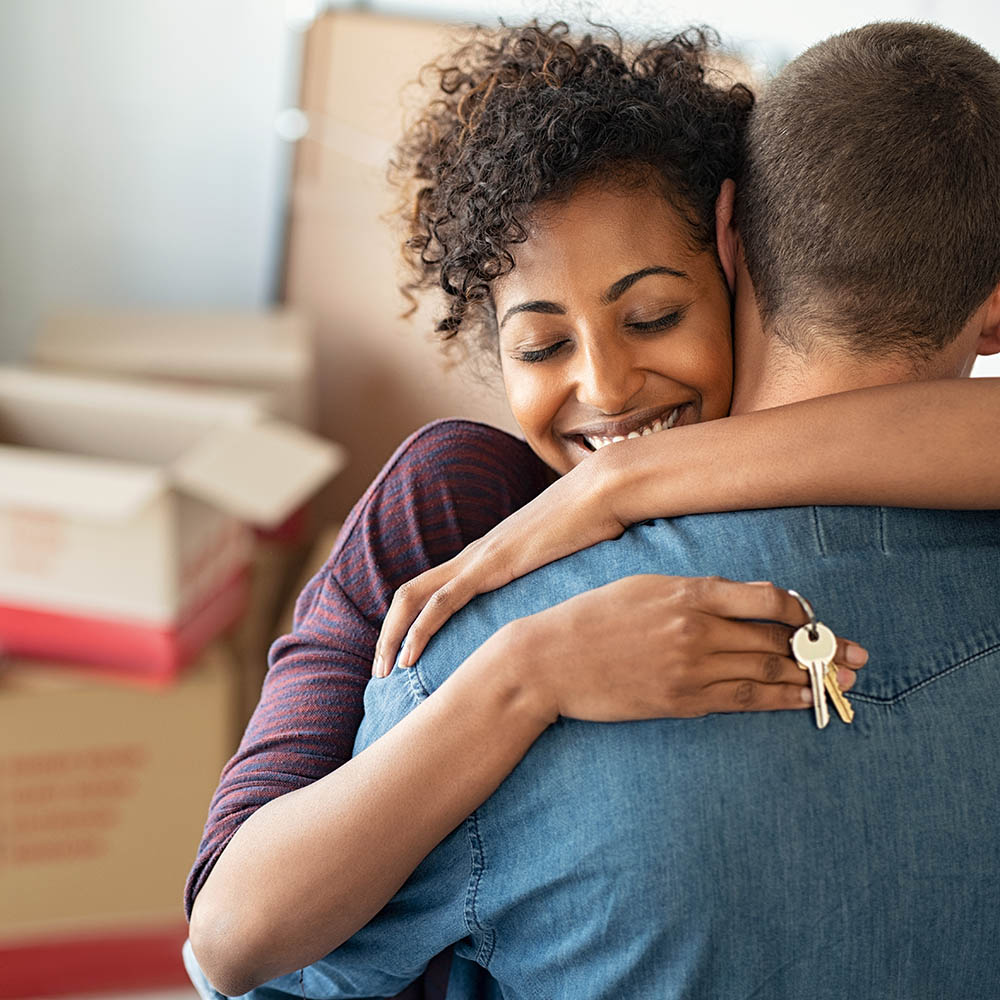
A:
[523,115]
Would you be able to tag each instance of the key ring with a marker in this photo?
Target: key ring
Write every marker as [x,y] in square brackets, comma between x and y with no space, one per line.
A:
[808,609]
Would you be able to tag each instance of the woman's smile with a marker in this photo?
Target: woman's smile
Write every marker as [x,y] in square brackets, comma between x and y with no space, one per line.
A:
[612,324]
[593,437]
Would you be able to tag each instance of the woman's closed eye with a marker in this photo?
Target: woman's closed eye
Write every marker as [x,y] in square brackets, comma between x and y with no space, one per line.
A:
[665,322]
[535,354]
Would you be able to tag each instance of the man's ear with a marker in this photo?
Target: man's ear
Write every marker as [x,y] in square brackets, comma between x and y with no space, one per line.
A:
[726,239]
[989,336]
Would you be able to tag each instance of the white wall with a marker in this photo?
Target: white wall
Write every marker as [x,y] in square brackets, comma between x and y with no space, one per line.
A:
[769,31]
[988,367]
[140,163]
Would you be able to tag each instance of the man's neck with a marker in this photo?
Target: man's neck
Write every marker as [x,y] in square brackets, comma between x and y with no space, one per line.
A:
[774,374]
[770,373]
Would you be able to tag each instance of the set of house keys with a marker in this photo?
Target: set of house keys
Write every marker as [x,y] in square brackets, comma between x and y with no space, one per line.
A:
[814,647]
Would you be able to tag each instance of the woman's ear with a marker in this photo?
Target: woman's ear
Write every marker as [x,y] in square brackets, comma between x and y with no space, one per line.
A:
[726,238]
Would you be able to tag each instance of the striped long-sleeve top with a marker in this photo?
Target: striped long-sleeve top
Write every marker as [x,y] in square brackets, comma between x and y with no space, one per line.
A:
[446,486]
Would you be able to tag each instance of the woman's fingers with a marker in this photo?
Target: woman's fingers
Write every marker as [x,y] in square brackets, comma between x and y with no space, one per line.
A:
[406,605]
[764,668]
[748,696]
[419,608]
[728,599]
[754,696]
[733,599]
[850,654]
[440,606]
[758,668]
[723,635]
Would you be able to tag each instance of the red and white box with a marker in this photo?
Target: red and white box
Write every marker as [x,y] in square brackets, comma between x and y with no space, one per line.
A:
[104,789]
[124,513]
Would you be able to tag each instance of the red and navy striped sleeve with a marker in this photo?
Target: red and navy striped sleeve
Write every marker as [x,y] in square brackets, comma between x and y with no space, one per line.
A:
[446,486]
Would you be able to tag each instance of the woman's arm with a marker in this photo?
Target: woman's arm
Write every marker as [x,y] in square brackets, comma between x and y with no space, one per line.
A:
[447,485]
[308,869]
[914,444]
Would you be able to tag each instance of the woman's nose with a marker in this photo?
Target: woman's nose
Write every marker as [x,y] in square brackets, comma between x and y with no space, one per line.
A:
[607,378]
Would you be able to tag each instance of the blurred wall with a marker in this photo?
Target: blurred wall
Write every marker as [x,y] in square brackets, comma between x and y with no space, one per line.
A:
[141,166]
[768,31]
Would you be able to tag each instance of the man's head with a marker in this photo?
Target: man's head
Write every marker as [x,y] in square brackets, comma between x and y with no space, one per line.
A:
[869,209]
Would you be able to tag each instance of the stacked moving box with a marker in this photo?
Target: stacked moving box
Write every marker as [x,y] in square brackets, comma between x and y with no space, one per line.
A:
[146,546]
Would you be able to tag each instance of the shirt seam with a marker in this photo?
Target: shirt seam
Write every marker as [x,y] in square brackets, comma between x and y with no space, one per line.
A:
[477,853]
[900,695]
[478,869]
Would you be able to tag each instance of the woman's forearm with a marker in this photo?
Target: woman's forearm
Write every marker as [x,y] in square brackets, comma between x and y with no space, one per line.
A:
[915,444]
[311,867]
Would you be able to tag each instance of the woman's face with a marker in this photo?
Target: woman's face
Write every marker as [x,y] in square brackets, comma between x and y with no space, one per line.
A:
[611,325]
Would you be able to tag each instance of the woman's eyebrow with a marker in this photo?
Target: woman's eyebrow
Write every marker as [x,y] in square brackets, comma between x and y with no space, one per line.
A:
[616,291]
[622,285]
[535,306]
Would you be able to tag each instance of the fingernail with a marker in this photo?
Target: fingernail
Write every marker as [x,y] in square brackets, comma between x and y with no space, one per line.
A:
[845,677]
[761,583]
[377,666]
[807,696]
[405,656]
[855,655]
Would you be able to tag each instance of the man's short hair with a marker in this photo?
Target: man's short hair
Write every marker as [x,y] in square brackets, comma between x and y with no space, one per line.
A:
[869,206]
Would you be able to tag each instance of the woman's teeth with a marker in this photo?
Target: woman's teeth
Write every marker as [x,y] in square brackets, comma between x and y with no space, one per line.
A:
[657,425]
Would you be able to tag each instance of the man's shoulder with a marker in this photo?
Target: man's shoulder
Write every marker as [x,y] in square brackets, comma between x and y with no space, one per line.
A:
[871,552]
[812,531]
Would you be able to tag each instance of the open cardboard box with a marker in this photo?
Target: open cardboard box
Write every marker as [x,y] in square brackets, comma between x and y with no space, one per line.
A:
[272,352]
[123,513]
[104,790]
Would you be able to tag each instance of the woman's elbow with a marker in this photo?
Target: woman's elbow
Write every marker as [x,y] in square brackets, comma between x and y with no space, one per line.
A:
[221,952]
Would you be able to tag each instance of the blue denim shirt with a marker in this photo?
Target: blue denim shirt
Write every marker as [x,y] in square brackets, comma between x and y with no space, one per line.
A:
[734,856]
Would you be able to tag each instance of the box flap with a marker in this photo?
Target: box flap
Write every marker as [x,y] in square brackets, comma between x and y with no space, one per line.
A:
[128,396]
[266,346]
[259,472]
[75,485]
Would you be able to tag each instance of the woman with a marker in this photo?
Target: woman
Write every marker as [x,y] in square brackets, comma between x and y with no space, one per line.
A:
[567,207]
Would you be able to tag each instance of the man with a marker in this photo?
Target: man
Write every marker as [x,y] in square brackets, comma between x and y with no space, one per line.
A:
[753,855]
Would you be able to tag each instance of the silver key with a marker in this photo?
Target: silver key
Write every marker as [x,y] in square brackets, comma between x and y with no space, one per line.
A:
[814,647]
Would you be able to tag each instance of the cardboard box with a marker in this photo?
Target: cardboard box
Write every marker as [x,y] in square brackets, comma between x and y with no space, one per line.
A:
[123,513]
[380,376]
[104,790]
[272,353]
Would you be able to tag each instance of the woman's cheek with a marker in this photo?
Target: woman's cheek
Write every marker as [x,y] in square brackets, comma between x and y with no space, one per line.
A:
[712,373]
[524,398]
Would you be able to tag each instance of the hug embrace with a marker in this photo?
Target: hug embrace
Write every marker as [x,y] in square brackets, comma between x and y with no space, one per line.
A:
[735,335]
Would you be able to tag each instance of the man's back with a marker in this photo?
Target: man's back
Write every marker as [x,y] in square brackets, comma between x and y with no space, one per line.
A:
[748,855]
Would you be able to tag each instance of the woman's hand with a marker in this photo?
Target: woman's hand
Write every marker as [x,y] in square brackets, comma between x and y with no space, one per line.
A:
[572,514]
[660,646]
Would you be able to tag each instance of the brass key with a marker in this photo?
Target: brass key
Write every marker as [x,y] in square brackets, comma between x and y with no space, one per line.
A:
[839,699]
